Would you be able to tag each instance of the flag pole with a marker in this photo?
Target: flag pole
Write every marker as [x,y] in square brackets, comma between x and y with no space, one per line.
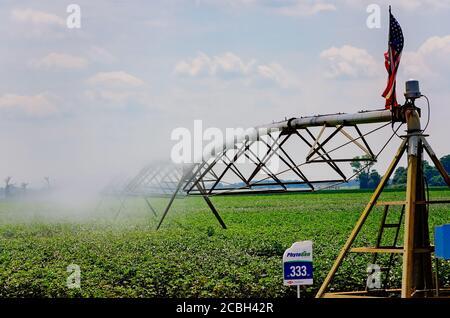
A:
[389,23]
[389,44]
[391,106]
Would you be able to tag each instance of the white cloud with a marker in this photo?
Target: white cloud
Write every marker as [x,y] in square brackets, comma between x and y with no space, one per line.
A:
[95,54]
[430,59]
[101,55]
[276,73]
[403,4]
[60,61]
[39,105]
[115,79]
[120,99]
[30,23]
[225,64]
[230,63]
[413,64]
[305,8]
[118,90]
[230,66]
[36,17]
[436,44]
[284,7]
[117,97]
[350,62]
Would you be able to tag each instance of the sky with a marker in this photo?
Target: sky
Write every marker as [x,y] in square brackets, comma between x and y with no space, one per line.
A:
[82,105]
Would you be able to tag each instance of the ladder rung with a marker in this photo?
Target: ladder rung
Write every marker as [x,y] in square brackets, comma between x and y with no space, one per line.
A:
[389,249]
[377,250]
[383,203]
[391,203]
[433,202]
[424,249]
[391,225]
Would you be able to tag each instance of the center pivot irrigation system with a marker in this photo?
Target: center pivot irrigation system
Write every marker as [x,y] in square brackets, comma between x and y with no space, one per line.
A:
[209,178]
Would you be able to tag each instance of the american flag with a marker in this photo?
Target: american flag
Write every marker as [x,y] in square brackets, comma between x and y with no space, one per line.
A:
[392,59]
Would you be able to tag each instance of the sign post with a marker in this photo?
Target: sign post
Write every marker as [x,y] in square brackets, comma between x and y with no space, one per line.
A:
[298,265]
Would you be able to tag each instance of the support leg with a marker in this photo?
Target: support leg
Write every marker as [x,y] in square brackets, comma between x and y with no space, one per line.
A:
[436,161]
[172,198]
[211,206]
[362,219]
[417,267]
[205,197]
[121,206]
[417,271]
[150,207]
[408,245]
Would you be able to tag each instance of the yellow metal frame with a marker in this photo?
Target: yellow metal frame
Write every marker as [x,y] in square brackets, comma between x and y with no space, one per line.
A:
[414,142]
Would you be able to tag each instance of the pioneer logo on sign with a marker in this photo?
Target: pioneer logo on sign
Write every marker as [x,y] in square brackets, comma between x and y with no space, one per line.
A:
[297,264]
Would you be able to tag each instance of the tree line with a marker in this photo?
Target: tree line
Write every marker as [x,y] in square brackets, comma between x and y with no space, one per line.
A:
[11,189]
[370,178]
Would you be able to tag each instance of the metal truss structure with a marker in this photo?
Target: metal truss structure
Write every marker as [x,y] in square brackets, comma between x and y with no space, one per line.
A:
[157,179]
[272,160]
[154,180]
[260,154]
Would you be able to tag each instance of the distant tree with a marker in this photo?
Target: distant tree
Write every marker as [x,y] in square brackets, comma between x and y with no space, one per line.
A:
[369,179]
[24,186]
[446,163]
[47,182]
[8,186]
[363,180]
[399,176]
[429,172]
[374,179]
[433,176]
[363,164]
[362,169]
[436,181]
[8,181]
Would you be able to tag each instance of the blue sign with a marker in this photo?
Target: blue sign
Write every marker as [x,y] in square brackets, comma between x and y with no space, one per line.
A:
[298,270]
[298,264]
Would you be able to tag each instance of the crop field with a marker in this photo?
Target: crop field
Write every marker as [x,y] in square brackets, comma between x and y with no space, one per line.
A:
[190,256]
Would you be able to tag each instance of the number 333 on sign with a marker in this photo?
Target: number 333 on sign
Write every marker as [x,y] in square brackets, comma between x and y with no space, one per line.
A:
[298,265]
